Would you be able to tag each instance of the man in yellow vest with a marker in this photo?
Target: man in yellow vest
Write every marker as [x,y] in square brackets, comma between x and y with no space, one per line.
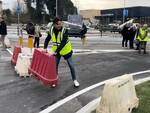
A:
[143,38]
[61,46]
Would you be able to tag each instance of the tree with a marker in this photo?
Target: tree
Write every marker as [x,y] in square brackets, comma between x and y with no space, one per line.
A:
[7,13]
[65,7]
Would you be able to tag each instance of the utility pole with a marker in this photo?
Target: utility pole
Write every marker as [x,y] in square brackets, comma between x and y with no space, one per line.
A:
[56,8]
[124,11]
[18,13]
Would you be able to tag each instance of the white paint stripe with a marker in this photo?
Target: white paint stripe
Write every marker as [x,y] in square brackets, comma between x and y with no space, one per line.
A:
[85,52]
[88,51]
[9,51]
[137,82]
[141,72]
[90,106]
[61,102]
[93,105]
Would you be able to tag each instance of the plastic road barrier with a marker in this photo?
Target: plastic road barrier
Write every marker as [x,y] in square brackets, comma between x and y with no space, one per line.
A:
[43,67]
[118,96]
[16,51]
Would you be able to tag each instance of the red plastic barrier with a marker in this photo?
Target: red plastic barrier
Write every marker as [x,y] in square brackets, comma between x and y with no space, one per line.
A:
[16,52]
[43,67]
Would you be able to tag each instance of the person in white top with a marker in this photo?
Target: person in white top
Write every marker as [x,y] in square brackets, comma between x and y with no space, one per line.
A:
[37,36]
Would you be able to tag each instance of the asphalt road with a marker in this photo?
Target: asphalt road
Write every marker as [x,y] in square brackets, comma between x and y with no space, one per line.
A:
[27,95]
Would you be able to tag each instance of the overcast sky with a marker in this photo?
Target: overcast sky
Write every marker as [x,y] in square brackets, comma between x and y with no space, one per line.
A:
[95,4]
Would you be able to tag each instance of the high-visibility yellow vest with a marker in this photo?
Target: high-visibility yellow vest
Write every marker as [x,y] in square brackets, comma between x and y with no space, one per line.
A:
[57,41]
[142,33]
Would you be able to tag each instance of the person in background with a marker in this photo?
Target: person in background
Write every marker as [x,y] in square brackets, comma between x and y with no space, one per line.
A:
[83,35]
[30,28]
[37,36]
[132,32]
[61,46]
[136,40]
[3,31]
[124,33]
[143,38]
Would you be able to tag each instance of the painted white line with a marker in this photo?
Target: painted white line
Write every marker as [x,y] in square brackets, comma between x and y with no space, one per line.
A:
[61,102]
[85,52]
[137,82]
[88,51]
[9,51]
[90,106]
[93,104]
[141,72]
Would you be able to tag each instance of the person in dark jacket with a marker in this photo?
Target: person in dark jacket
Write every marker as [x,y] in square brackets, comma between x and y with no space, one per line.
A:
[3,31]
[83,35]
[124,33]
[132,32]
[61,46]
[30,28]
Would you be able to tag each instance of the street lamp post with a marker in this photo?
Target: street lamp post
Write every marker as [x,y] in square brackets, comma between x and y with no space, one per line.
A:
[43,13]
[56,8]
[124,11]
[18,14]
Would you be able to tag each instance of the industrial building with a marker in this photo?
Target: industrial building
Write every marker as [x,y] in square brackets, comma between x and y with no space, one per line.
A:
[141,14]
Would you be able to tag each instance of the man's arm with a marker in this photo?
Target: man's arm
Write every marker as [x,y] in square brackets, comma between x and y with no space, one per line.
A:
[48,38]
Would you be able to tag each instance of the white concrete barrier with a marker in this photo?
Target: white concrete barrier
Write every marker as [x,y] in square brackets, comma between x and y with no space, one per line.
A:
[27,51]
[22,64]
[118,96]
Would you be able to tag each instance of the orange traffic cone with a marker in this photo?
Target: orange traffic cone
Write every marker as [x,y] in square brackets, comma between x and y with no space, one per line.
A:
[20,40]
[30,42]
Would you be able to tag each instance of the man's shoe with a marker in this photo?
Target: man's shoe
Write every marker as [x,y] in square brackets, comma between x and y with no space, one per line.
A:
[76,83]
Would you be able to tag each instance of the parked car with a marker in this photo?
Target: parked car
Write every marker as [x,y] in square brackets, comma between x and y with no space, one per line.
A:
[74,30]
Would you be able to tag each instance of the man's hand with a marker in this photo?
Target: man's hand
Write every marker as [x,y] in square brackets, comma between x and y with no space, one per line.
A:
[44,50]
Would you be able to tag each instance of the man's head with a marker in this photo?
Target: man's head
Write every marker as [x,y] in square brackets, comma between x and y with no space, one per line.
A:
[145,26]
[57,22]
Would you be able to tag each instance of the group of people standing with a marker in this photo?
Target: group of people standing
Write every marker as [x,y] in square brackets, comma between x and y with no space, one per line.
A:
[137,34]
[34,31]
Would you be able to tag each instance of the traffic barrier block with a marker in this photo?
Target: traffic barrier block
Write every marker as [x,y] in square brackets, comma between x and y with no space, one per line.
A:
[43,67]
[16,51]
[20,40]
[118,96]
[27,51]
[23,64]
[30,42]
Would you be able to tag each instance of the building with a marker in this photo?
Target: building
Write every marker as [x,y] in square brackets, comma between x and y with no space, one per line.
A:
[141,14]
[89,14]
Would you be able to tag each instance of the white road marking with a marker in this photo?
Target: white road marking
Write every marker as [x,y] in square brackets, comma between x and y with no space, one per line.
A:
[89,51]
[9,51]
[61,102]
